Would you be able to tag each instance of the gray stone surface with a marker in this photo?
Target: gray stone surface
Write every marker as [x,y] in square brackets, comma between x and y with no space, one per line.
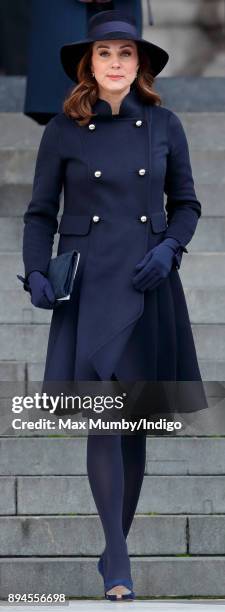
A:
[185,456]
[212,199]
[203,269]
[180,12]
[55,456]
[205,130]
[7,495]
[192,93]
[11,234]
[169,495]
[78,577]
[209,341]
[206,305]
[211,369]
[12,371]
[17,166]
[83,536]
[207,535]
[23,342]
[209,235]
[16,307]
[14,199]
[46,456]
[177,604]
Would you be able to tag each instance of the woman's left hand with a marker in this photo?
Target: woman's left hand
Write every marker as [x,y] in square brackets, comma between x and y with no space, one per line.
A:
[155,266]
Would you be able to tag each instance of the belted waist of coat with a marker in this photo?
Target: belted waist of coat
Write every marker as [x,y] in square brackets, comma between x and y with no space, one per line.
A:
[81,224]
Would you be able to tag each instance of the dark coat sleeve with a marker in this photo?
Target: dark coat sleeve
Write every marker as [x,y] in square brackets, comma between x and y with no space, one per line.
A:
[182,207]
[40,217]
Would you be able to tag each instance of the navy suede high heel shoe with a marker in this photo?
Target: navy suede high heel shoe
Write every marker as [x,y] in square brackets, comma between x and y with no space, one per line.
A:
[112,583]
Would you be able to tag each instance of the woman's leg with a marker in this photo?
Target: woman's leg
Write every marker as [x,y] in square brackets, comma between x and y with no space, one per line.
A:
[106,477]
[134,459]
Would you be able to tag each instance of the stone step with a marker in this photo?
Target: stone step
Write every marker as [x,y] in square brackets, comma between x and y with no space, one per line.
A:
[83,536]
[180,12]
[201,270]
[17,166]
[15,199]
[29,342]
[209,235]
[152,576]
[65,494]
[212,369]
[205,305]
[205,131]
[11,234]
[61,456]
[16,307]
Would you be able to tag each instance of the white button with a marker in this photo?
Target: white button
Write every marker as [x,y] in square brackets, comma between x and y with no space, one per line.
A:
[96,218]
[98,173]
[143,218]
[142,171]
[138,123]
[92,126]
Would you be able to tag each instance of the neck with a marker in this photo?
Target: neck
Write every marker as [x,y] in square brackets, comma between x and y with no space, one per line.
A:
[113,98]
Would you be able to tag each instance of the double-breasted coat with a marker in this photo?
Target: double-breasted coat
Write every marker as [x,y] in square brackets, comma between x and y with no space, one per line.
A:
[53,24]
[115,172]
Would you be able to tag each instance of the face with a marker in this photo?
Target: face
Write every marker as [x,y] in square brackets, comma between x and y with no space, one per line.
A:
[115,64]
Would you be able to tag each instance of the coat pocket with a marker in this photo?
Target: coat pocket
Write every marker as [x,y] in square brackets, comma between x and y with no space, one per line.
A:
[75,224]
[158,222]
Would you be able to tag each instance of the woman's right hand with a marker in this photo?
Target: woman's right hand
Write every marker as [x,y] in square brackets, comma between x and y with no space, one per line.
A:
[42,294]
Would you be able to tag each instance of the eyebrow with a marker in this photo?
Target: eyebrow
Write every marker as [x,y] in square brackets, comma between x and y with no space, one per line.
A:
[121,46]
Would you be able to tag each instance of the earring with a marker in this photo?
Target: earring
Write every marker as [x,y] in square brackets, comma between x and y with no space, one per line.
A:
[93,74]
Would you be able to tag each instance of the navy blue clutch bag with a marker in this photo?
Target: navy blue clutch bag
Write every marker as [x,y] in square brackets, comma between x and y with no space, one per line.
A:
[61,273]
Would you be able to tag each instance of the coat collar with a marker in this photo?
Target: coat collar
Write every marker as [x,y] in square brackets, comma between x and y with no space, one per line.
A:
[131,106]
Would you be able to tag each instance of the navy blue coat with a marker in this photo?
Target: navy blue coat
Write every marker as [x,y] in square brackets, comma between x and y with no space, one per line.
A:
[113,214]
[53,24]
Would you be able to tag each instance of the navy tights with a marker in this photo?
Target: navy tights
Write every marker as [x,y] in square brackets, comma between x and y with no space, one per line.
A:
[115,467]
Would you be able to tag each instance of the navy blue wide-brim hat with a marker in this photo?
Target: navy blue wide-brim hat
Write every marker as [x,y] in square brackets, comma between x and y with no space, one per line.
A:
[108,25]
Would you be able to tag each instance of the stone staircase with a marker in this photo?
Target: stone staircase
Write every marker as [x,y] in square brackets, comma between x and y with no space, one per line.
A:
[50,533]
[51,536]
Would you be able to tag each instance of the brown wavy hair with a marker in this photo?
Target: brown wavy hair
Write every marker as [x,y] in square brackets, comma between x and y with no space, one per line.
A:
[78,103]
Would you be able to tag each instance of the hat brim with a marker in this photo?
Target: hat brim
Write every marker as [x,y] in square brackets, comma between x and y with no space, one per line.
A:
[71,54]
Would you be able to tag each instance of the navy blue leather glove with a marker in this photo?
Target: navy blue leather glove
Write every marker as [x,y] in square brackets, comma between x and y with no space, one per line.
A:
[42,294]
[156,265]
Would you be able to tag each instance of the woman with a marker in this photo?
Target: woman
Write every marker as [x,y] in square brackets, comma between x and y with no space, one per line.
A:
[51,25]
[115,150]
